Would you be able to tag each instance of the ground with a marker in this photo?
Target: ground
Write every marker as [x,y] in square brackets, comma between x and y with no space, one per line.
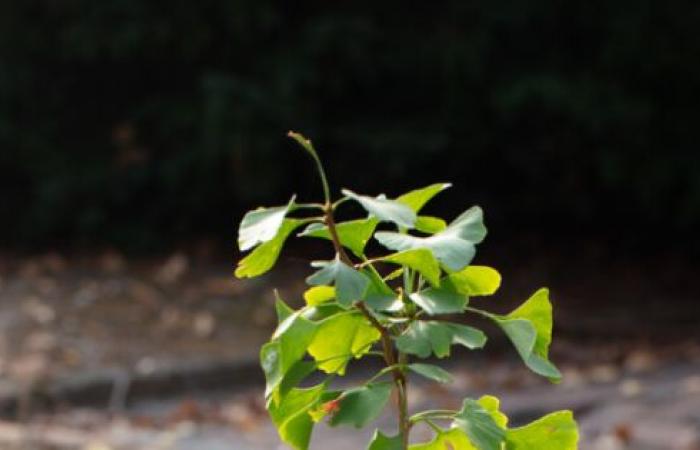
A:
[101,352]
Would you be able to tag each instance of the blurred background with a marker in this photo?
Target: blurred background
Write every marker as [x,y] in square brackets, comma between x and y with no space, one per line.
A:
[134,136]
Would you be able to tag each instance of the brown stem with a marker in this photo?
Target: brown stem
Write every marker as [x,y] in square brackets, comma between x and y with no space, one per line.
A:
[387,345]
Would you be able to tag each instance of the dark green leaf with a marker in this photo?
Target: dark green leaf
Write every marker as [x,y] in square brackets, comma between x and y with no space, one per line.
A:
[432,372]
[440,300]
[382,442]
[362,405]
[353,234]
[350,284]
[424,337]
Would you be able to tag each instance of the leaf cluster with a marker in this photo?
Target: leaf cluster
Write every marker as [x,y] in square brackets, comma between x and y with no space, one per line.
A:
[398,306]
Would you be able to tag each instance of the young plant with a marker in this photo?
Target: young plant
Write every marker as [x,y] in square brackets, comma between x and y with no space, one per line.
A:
[395,307]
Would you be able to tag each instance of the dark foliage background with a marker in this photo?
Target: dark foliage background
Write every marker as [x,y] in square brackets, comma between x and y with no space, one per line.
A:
[140,124]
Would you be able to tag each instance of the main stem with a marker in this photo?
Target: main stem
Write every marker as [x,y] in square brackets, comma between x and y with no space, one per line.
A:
[390,357]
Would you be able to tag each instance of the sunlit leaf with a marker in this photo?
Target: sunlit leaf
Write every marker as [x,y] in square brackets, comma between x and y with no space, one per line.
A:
[319,294]
[416,199]
[384,209]
[431,371]
[340,338]
[453,247]
[529,327]
[353,234]
[291,416]
[420,260]
[261,225]
[360,406]
[430,225]
[288,346]
[263,258]
[556,431]
[479,426]
[350,284]
[476,280]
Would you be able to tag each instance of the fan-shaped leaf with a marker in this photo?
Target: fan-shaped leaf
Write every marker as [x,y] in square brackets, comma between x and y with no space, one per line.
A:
[416,199]
[384,209]
[360,406]
[261,225]
[453,247]
[264,257]
[424,337]
[353,234]
[339,338]
[350,284]
[529,327]
[431,371]
[419,259]
[476,280]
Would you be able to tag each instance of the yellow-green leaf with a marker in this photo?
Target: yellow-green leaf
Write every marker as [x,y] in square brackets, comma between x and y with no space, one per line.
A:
[419,259]
[264,256]
[476,280]
[417,198]
[340,338]
[319,294]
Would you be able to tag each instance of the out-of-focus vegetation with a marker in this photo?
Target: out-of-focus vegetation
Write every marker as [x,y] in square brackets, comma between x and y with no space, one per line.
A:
[139,123]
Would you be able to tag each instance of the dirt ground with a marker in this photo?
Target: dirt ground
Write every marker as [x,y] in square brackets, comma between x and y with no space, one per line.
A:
[632,378]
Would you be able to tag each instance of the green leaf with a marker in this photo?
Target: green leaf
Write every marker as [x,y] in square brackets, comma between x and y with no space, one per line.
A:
[416,199]
[319,294]
[288,345]
[382,442]
[380,296]
[467,336]
[421,260]
[291,416]
[476,280]
[360,406]
[350,285]
[430,225]
[440,300]
[282,309]
[556,431]
[479,426]
[261,225]
[263,258]
[454,439]
[424,337]
[384,209]
[453,247]
[432,372]
[353,234]
[529,327]
[339,338]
